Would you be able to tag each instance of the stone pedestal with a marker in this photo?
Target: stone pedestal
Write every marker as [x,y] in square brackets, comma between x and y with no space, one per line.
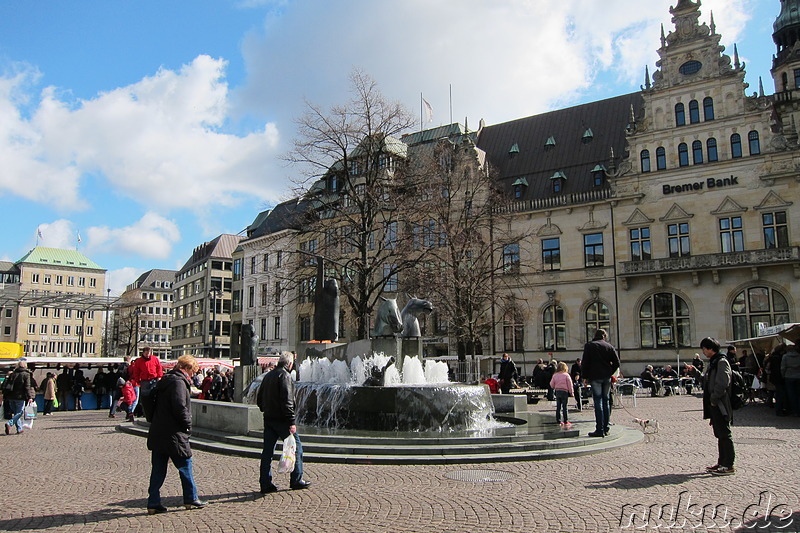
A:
[243,375]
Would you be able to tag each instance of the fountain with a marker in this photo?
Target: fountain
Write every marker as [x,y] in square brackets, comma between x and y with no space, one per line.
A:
[372,394]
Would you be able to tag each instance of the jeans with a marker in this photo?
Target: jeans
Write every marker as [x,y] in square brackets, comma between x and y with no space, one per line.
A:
[273,431]
[722,431]
[158,474]
[136,401]
[17,407]
[114,401]
[601,389]
[561,405]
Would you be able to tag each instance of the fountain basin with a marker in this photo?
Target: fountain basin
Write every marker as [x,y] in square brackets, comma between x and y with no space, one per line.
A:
[430,407]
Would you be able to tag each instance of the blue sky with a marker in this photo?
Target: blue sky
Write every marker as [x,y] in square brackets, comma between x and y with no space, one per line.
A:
[150,127]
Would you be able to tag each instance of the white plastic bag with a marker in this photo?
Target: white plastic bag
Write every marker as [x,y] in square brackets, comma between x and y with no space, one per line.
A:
[286,464]
[29,412]
[756,383]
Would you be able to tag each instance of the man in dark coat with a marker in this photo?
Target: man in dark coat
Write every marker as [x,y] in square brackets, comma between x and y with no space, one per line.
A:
[507,374]
[276,401]
[717,405]
[168,437]
[19,396]
[600,361]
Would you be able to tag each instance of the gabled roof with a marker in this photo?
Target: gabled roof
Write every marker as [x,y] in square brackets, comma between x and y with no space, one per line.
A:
[573,154]
[148,278]
[59,257]
[433,134]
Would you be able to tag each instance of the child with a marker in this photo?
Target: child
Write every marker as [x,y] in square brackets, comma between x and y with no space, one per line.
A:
[128,397]
[561,383]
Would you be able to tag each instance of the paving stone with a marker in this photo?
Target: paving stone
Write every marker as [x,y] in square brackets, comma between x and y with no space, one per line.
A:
[74,472]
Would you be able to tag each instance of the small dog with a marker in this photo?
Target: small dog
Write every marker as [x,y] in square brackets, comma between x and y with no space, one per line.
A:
[648,425]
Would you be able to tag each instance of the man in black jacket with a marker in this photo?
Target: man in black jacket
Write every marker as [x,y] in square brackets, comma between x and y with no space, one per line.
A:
[508,373]
[600,361]
[276,401]
[168,437]
[19,396]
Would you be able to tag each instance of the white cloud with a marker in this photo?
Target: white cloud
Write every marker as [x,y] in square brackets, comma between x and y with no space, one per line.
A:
[160,141]
[152,236]
[505,60]
[119,279]
[58,234]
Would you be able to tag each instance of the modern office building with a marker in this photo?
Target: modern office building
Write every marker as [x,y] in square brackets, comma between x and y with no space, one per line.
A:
[201,321]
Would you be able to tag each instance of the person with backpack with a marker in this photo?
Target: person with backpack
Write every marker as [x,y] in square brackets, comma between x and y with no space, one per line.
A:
[717,405]
[19,395]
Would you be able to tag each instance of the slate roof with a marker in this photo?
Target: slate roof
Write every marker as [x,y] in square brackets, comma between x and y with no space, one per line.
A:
[517,149]
[286,215]
[59,257]
[148,278]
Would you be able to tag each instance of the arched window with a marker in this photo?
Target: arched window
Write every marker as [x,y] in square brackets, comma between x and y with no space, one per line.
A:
[680,115]
[694,112]
[661,158]
[711,148]
[664,321]
[752,140]
[513,332]
[755,307]
[697,153]
[645,160]
[597,317]
[683,155]
[736,145]
[708,108]
[555,330]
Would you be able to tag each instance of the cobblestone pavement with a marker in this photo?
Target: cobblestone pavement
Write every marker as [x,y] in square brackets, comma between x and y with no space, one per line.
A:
[74,472]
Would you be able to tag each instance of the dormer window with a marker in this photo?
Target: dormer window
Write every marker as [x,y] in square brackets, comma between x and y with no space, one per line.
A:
[514,150]
[587,136]
[333,183]
[353,168]
[519,187]
[598,175]
[557,182]
[550,143]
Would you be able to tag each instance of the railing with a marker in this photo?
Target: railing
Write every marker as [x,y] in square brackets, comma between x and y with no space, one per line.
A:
[554,201]
[709,261]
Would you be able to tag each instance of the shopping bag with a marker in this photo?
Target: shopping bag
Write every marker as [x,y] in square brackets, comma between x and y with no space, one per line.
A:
[28,423]
[30,412]
[756,384]
[286,464]
[55,403]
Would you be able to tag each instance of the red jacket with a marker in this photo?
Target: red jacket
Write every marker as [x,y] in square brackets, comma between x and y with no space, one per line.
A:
[128,394]
[145,369]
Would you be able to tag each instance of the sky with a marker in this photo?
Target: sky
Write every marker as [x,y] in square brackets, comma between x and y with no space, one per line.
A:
[134,131]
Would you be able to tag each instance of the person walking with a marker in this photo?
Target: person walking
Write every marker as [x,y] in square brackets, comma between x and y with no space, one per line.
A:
[276,401]
[717,405]
[145,373]
[561,383]
[599,362]
[49,390]
[790,370]
[508,373]
[116,380]
[19,396]
[168,437]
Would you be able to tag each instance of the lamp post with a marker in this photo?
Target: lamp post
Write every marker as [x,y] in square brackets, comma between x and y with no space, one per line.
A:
[108,312]
[212,296]
[136,313]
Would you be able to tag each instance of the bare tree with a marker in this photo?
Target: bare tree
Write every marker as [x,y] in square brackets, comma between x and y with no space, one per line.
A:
[462,237]
[355,164]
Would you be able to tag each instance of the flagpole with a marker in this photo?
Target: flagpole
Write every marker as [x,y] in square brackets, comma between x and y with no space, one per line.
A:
[451,103]
[420,111]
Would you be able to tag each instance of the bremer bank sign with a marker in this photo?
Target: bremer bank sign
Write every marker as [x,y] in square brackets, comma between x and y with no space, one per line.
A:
[710,183]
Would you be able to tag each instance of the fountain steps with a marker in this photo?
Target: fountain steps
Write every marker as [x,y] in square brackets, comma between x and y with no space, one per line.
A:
[412,449]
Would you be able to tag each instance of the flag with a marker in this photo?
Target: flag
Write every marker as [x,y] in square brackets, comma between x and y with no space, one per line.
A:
[79,236]
[39,233]
[428,110]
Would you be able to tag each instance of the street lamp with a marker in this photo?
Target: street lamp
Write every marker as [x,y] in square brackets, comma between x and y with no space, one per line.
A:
[136,313]
[212,295]
[108,312]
